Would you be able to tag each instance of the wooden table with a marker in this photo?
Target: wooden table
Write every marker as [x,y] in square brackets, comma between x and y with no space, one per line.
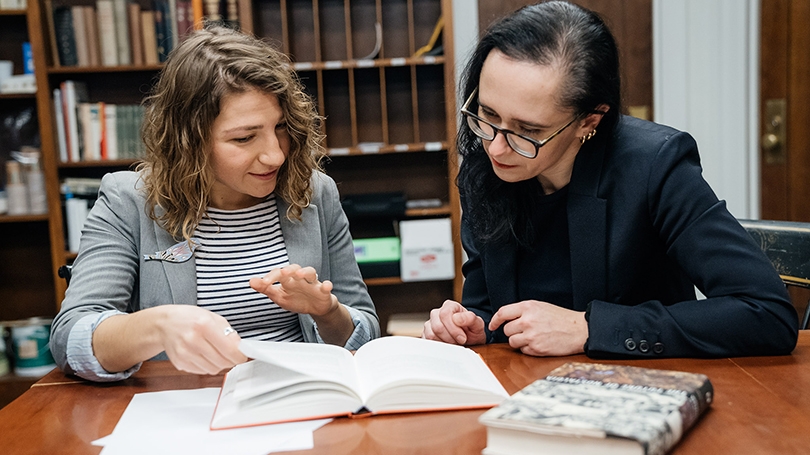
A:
[762,406]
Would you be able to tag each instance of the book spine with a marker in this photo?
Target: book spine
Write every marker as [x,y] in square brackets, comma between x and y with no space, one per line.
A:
[197,14]
[111,130]
[91,23]
[185,19]
[135,35]
[80,36]
[121,32]
[59,119]
[66,42]
[72,123]
[107,33]
[150,55]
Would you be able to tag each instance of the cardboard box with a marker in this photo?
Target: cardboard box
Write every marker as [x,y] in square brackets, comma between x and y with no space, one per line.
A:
[427,250]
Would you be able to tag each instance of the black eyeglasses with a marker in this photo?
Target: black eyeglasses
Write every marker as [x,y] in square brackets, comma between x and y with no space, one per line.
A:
[522,145]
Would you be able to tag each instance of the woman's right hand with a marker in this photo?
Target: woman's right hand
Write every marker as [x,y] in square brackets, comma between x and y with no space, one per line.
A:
[452,323]
[195,340]
[199,341]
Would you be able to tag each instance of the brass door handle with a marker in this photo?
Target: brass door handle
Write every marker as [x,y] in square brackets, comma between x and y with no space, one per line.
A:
[773,142]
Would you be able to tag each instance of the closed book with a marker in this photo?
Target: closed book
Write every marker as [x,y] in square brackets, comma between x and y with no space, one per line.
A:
[163,28]
[93,45]
[59,119]
[74,93]
[122,32]
[185,19]
[65,39]
[80,36]
[135,33]
[150,55]
[106,32]
[111,130]
[301,381]
[588,408]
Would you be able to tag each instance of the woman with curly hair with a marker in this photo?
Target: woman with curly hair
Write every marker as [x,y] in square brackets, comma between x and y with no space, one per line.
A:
[227,230]
[587,230]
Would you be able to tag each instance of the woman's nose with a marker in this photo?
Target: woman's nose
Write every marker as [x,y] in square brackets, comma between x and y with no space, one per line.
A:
[271,152]
[498,146]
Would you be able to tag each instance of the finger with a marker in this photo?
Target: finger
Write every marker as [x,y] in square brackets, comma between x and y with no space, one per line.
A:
[438,328]
[307,274]
[227,345]
[505,313]
[446,313]
[465,319]
[518,341]
[427,332]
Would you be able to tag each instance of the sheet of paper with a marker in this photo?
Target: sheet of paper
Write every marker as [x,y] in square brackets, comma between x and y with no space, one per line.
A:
[176,421]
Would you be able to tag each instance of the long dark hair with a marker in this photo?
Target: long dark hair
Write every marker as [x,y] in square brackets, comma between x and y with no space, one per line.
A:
[580,44]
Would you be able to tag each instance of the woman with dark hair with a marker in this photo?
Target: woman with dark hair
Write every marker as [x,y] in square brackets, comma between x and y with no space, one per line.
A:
[228,229]
[586,230]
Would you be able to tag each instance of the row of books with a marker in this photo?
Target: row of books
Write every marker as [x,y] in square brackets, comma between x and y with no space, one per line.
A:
[118,32]
[78,196]
[95,131]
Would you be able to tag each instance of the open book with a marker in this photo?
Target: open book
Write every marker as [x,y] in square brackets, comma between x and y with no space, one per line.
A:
[300,381]
[591,408]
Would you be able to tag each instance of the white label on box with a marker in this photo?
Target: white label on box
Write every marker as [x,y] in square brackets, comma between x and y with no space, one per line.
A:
[427,250]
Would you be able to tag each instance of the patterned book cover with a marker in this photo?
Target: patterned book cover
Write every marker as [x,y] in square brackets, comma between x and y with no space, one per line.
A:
[652,407]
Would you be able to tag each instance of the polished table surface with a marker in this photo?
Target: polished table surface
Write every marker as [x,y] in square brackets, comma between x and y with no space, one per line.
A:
[761,406]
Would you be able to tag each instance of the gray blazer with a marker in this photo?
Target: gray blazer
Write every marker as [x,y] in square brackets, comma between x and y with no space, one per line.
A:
[110,272]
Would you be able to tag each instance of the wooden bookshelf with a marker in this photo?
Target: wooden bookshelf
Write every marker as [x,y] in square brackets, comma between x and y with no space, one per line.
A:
[390,114]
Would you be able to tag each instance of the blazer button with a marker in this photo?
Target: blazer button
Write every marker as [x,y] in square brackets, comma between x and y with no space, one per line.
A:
[630,344]
[643,346]
[658,348]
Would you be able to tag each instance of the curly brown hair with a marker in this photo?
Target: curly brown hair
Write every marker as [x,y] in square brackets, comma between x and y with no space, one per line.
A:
[181,110]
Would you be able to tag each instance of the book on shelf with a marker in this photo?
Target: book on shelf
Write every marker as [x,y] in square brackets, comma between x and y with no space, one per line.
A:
[91,25]
[79,196]
[590,408]
[59,118]
[73,94]
[135,33]
[107,35]
[80,35]
[302,381]
[121,32]
[149,36]
[64,38]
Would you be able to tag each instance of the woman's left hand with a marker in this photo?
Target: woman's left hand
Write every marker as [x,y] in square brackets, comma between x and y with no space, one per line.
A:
[297,289]
[541,328]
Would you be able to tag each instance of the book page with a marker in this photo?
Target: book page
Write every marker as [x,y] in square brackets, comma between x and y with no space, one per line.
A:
[436,373]
[319,361]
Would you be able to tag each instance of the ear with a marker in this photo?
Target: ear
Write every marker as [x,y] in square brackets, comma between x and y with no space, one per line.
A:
[591,121]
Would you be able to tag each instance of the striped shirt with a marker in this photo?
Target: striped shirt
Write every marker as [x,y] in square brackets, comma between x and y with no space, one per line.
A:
[235,246]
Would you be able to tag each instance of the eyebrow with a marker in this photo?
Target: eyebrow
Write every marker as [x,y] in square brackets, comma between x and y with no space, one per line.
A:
[243,128]
[522,123]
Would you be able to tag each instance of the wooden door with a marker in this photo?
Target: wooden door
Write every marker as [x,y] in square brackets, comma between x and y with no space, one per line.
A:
[785,79]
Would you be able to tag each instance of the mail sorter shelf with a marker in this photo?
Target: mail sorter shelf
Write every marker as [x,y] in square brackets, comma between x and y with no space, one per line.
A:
[385,108]
[321,31]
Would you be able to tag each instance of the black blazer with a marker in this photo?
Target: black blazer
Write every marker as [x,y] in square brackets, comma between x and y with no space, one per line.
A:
[644,227]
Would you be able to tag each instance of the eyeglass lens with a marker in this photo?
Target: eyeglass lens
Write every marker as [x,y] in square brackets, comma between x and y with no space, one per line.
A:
[487,132]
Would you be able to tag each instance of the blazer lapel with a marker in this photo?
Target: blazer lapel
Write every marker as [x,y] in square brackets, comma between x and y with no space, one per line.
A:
[587,227]
[182,276]
[299,236]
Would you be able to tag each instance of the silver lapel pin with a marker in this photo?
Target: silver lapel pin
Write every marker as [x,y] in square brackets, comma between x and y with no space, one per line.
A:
[179,252]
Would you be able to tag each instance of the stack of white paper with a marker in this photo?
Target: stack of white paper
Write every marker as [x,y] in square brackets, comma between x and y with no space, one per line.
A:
[177,421]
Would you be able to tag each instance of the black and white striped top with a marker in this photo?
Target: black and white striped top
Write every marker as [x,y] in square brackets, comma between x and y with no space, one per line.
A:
[237,245]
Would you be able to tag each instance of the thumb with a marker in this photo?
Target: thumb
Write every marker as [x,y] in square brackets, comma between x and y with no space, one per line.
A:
[464,319]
